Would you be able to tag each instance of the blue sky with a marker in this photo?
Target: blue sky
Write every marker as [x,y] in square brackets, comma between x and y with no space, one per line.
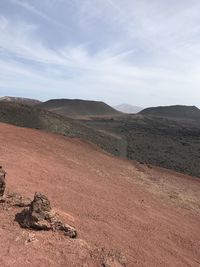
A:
[144,53]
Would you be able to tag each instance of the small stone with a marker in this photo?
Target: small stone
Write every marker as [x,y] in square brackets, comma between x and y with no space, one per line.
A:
[31,238]
[71,232]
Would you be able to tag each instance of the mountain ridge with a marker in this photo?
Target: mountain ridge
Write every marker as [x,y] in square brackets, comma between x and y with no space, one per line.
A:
[21,100]
[174,111]
[78,107]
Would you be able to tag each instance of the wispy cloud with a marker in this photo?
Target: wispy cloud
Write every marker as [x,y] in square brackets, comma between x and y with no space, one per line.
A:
[120,52]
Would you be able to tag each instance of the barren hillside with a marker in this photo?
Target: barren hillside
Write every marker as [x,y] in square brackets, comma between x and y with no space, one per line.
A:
[125,213]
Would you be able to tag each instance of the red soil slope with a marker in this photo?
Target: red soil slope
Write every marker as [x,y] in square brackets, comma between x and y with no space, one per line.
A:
[126,213]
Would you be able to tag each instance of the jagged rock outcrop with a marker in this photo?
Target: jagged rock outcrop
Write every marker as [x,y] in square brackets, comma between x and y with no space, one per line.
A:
[40,216]
[2,181]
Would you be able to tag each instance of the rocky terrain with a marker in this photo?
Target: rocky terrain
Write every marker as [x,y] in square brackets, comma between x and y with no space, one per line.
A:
[169,142]
[37,214]
[125,213]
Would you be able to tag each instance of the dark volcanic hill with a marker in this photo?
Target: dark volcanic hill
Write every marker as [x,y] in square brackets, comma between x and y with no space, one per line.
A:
[76,107]
[21,100]
[178,111]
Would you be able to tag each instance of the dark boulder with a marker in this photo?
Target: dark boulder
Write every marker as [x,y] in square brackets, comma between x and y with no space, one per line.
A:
[2,181]
[40,216]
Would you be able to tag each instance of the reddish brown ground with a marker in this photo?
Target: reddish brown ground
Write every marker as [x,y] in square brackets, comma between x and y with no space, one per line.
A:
[150,216]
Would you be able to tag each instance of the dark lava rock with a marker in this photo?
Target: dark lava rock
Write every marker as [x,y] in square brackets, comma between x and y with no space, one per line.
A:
[40,216]
[40,207]
[2,181]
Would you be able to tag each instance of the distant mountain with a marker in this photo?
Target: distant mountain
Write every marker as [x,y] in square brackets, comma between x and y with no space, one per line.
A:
[76,107]
[126,108]
[21,100]
[178,111]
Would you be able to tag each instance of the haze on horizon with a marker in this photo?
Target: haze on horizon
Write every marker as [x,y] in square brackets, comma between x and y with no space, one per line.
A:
[145,53]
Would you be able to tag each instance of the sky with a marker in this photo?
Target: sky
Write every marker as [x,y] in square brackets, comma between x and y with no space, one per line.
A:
[140,52]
